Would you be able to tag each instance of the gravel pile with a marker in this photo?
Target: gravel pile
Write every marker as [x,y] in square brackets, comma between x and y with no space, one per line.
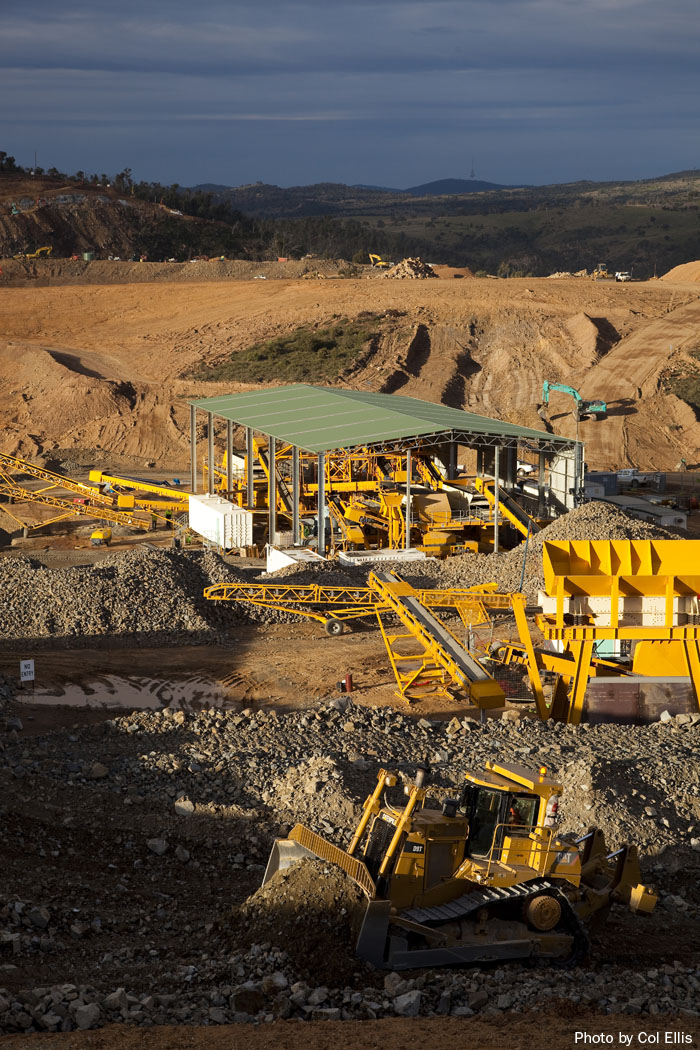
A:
[307,908]
[152,596]
[126,845]
[410,270]
[147,596]
[592,521]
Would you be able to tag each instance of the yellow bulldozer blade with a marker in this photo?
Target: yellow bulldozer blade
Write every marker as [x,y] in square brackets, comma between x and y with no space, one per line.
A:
[302,843]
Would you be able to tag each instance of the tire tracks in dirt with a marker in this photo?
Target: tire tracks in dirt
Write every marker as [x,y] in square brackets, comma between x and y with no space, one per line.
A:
[627,379]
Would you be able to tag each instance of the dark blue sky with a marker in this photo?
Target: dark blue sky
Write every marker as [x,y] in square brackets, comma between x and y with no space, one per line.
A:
[392,92]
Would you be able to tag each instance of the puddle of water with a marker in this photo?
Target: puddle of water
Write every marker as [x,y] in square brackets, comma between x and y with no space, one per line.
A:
[131,692]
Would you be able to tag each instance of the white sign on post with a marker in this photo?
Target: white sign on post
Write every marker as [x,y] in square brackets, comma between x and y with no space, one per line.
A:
[26,670]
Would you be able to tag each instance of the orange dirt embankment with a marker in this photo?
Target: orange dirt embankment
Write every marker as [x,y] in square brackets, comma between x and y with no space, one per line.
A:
[686,272]
[104,367]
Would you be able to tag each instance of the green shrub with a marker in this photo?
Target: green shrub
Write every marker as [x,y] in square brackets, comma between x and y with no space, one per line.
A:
[305,355]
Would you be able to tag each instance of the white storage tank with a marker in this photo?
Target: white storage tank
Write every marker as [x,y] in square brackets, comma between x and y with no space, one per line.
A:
[221,522]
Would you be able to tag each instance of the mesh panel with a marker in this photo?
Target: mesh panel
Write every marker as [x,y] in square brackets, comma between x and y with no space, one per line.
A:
[377,845]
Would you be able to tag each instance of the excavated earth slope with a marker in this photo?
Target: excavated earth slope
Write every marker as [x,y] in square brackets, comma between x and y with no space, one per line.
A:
[102,368]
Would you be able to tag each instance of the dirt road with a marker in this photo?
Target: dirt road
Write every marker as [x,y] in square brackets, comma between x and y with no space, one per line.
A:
[556,1027]
[628,379]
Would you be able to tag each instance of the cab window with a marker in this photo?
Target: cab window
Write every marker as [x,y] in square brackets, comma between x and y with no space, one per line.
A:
[522,813]
[484,820]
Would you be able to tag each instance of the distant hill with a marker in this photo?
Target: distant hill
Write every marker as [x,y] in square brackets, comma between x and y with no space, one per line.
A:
[448,187]
[645,226]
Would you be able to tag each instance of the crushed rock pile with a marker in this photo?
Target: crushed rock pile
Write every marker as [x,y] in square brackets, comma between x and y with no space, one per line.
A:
[147,596]
[592,521]
[315,910]
[312,787]
[411,270]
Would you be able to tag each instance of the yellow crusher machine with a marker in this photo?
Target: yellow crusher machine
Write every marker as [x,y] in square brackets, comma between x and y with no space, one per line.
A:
[484,878]
[365,496]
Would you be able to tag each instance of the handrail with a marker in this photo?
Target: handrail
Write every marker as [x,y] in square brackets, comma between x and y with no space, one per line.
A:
[530,830]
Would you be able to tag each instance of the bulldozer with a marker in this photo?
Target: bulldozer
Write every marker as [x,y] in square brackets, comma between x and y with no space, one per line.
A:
[483,878]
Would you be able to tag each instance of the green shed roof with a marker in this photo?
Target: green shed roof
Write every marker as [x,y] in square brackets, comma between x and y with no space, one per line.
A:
[319,419]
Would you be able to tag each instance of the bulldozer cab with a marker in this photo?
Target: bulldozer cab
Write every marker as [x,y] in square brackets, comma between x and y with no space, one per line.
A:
[494,814]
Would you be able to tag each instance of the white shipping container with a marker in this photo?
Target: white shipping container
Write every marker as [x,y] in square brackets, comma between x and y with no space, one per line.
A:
[221,522]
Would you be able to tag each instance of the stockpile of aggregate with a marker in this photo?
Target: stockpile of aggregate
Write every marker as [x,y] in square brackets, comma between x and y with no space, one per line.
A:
[592,521]
[411,270]
[147,595]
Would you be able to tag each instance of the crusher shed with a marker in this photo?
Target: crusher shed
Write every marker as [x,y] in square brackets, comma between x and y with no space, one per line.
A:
[321,420]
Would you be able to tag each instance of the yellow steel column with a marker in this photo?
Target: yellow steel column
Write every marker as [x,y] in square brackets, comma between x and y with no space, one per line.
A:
[692,656]
[670,592]
[583,654]
[518,603]
[615,601]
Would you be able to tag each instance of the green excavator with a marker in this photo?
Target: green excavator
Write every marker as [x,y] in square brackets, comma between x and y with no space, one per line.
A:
[583,409]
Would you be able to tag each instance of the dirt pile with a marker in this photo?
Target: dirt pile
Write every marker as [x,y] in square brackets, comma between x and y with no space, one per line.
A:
[411,270]
[686,272]
[315,910]
[144,596]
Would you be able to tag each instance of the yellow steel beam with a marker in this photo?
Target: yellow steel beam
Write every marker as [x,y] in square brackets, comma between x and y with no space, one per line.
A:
[178,495]
[692,656]
[634,634]
[518,603]
[583,653]
[12,465]
[72,509]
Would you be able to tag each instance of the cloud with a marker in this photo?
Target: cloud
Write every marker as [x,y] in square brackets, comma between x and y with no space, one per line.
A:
[360,81]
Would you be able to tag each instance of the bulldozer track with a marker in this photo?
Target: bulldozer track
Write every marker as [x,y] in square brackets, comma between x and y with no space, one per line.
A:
[467,905]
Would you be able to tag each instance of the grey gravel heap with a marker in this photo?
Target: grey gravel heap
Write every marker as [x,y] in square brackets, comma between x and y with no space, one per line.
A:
[592,521]
[147,596]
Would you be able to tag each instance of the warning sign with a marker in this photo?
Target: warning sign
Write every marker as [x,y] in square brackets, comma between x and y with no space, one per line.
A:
[26,670]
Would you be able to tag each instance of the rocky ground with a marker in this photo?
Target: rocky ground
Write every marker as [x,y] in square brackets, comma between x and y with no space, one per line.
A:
[146,596]
[130,847]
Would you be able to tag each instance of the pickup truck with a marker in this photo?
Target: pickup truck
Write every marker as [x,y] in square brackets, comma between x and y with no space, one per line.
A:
[634,478]
[623,275]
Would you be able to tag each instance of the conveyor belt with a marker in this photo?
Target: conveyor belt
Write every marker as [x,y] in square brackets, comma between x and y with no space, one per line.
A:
[471,668]
[443,660]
